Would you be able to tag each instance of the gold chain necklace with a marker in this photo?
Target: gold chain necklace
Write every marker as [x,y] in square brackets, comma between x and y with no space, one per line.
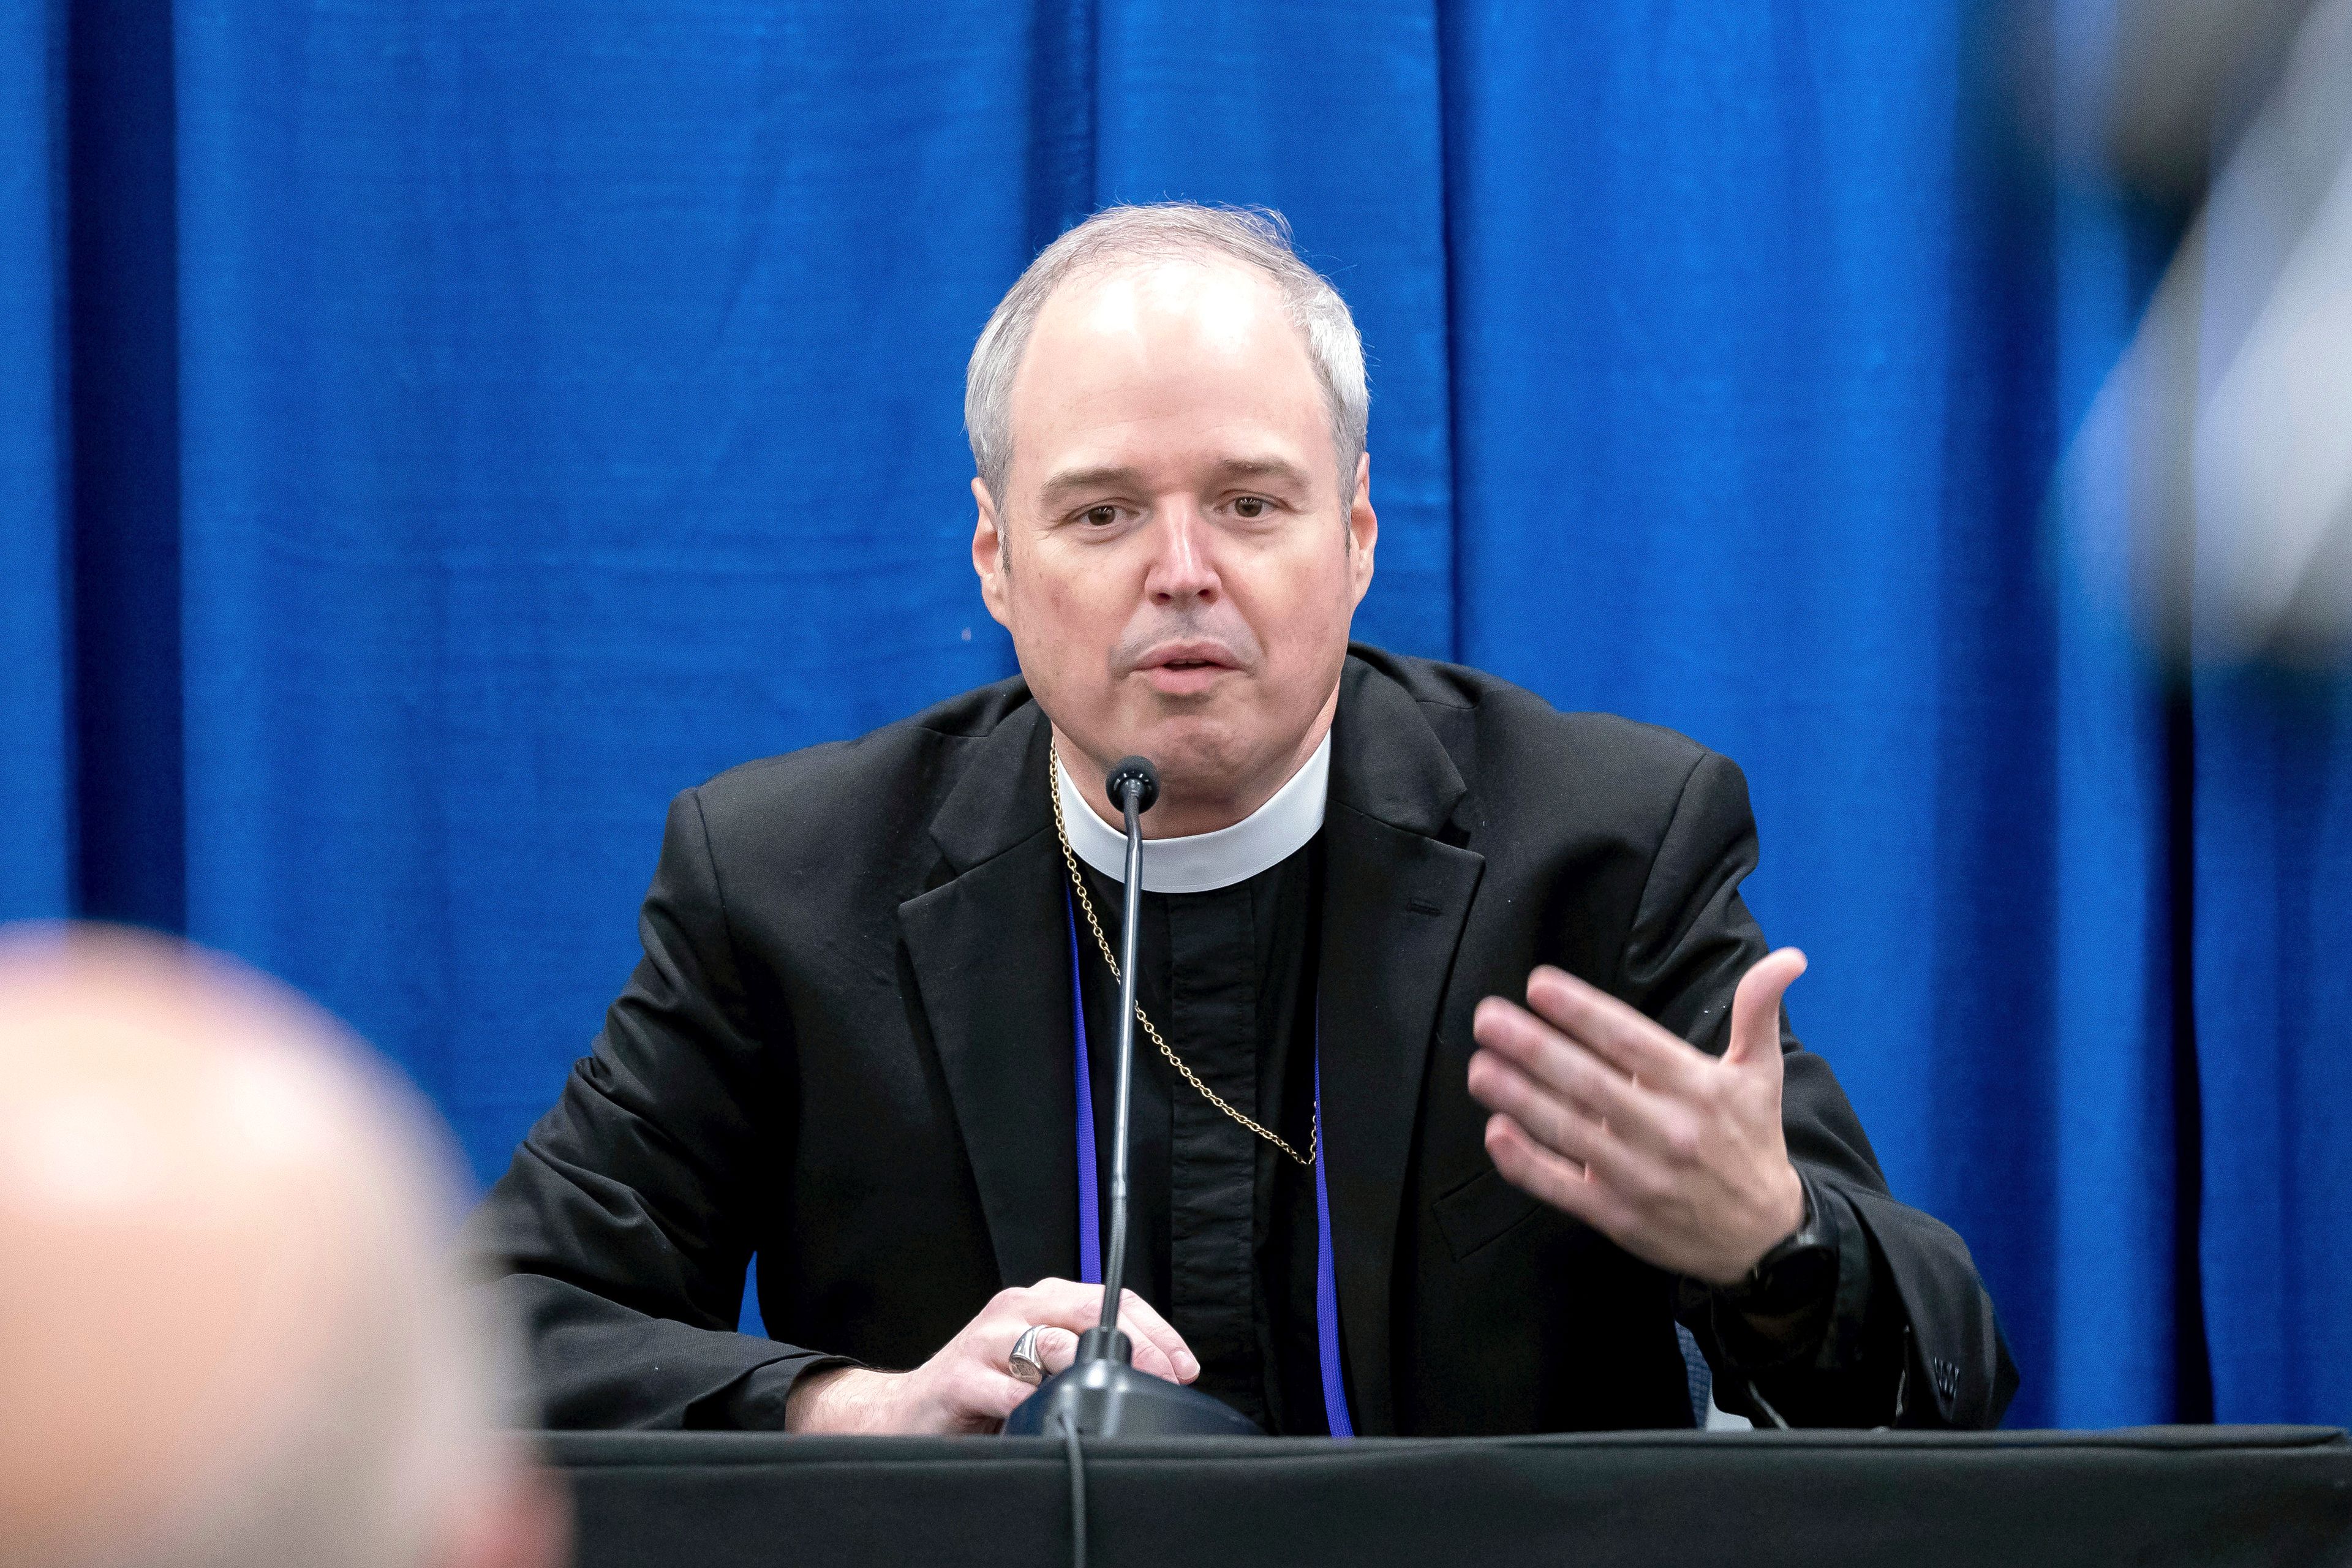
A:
[1086,904]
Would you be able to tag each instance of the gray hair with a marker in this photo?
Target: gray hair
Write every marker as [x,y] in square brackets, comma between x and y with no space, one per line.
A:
[1119,236]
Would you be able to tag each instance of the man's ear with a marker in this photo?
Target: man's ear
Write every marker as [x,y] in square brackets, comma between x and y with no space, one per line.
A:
[1363,528]
[991,555]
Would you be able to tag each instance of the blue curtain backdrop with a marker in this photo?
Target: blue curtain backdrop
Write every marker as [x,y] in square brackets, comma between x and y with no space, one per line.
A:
[433,433]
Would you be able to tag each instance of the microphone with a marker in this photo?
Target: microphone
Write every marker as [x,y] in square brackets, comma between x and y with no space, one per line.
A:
[1100,1393]
[1138,773]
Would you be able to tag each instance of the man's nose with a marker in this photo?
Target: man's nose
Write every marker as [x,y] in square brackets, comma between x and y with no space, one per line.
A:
[1181,567]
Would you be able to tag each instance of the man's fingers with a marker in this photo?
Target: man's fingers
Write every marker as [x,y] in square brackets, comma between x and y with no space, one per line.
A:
[1057,1349]
[1560,1065]
[1755,1006]
[1561,1183]
[1073,1309]
[1500,1085]
[1616,1033]
[1143,1324]
[1064,1303]
[1159,1349]
[1147,1353]
[992,1394]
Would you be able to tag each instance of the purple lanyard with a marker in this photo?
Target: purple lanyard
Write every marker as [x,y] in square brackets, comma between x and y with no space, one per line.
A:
[1326,1289]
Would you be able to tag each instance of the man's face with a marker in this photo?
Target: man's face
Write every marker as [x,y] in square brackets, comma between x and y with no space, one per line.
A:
[1172,555]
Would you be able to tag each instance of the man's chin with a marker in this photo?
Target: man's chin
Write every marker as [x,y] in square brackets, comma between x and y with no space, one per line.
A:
[1199,758]
[1207,756]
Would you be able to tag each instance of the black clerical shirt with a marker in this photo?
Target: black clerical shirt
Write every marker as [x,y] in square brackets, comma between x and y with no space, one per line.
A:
[1222,1229]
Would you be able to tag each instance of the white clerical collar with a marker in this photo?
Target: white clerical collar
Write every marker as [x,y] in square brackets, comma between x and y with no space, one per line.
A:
[1204,862]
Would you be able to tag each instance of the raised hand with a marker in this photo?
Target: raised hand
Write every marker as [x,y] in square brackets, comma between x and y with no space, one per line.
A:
[1675,1156]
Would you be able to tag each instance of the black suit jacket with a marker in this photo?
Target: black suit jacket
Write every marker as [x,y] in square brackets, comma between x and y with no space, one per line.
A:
[846,1050]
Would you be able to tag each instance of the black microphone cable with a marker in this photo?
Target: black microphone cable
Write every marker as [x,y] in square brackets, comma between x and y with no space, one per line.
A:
[1077,1455]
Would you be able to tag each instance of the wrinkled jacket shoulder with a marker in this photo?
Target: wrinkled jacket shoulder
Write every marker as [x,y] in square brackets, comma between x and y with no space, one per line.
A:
[1501,736]
[876,792]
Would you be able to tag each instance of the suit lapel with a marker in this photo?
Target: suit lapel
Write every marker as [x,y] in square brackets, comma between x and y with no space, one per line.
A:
[1395,899]
[990,959]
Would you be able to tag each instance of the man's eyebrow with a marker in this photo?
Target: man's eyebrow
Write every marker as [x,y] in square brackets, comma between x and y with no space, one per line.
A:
[1261,468]
[1112,476]
[1074,482]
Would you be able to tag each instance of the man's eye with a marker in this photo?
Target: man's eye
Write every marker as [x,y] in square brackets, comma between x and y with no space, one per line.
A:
[1250,505]
[1100,516]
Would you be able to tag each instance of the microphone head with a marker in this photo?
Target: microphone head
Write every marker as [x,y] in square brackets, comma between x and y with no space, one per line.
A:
[1134,771]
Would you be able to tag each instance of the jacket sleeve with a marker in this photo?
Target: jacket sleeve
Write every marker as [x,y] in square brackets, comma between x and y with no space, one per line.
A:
[1909,1338]
[617,1239]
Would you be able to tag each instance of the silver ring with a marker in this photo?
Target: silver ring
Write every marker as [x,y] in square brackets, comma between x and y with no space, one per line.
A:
[1024,1362]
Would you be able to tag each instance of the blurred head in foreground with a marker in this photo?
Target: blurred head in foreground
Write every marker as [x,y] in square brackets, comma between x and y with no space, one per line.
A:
[228,1331]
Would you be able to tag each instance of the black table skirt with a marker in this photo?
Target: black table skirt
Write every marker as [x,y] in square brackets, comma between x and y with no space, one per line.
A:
[2277,1496]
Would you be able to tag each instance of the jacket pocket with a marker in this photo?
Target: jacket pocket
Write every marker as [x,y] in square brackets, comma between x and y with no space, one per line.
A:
[1480,1210]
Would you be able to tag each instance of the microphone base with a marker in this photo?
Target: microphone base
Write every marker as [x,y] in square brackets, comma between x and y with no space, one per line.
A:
[1105,1397]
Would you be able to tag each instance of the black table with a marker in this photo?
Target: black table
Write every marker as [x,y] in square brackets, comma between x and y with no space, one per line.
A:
[2277,1496]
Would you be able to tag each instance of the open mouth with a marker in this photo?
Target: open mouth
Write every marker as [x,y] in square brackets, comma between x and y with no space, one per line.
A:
[1185,670]
[1188,656]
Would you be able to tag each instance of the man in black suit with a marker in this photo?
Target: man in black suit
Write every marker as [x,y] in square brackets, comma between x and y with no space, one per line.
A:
[870,1040]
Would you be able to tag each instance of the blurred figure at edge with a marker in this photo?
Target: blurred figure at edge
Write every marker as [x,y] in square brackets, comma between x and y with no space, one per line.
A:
[229,1333]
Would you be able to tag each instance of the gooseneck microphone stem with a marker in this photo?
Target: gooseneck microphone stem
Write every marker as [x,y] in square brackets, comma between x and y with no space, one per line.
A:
[1131,916]
[1101,1393]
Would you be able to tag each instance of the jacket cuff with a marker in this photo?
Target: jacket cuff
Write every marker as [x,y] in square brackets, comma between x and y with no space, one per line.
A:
[1833,1340]
[757,1401]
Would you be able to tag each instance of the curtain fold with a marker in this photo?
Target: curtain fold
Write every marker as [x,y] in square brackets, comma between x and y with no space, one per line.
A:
[2273,858]
[36,877]
[435,434]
